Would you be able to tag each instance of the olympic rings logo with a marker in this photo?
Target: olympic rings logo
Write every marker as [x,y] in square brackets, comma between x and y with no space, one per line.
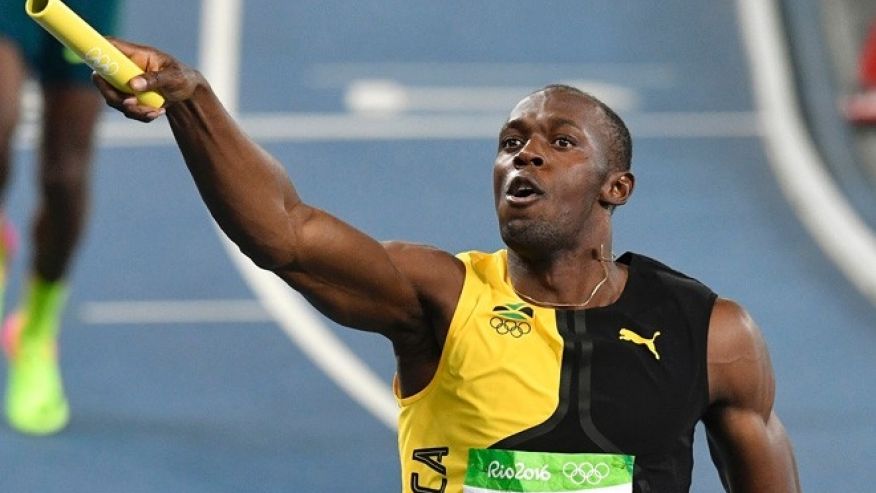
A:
[586,472]
[103,64]
[504,326]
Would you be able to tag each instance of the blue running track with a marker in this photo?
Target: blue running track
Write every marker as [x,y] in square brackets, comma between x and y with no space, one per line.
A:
[232,405]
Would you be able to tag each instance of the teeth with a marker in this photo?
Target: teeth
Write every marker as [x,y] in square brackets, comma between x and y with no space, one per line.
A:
[522,192]
[521,189]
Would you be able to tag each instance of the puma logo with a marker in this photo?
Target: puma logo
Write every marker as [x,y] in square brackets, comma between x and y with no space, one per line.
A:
[629,335]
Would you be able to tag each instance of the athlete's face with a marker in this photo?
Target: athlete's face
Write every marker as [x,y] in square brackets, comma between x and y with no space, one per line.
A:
[549,171]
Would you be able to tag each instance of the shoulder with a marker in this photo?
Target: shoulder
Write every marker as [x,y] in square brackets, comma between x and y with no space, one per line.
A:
[664,281]
[473,264]
[424,264]
[740,372]
[416,251]
[733,335]
[659,271]
[436,275]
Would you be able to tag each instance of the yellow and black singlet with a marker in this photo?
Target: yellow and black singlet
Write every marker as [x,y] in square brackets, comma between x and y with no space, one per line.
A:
[527,398]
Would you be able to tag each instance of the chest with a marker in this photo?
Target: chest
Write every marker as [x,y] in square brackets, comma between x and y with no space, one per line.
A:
[636,381]
[582,381]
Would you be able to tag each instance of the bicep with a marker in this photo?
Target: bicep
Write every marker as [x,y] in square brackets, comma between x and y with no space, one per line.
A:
[362,283]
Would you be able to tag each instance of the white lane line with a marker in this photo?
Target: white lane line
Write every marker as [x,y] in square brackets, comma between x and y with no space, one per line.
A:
[391,97]
[293,314]
[306,328]
[172,312]
[821,207]
[340,74]
[343,127]
[219,44]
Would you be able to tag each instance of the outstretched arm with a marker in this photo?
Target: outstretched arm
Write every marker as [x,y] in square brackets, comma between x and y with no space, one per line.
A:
[748,442]
[403,291]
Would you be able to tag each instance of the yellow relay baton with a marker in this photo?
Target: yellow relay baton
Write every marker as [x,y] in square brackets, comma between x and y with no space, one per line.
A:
[98,53]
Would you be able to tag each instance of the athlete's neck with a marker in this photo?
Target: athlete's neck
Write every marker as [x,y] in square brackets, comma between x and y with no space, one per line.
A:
[585,277]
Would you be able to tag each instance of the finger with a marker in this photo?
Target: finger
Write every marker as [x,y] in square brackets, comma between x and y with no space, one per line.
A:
[149,81]
[173,83]
[162,73]
[135,111]
[113,96]
[125,103]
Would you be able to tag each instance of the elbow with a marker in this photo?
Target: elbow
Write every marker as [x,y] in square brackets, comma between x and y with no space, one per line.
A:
[267,250]
[267,257]
[275,244]
[263,261]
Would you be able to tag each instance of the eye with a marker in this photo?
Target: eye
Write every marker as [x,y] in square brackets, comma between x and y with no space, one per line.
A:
[563,142]
[510,143]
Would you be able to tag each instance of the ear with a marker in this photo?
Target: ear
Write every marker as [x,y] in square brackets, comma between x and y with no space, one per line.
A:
[618,188]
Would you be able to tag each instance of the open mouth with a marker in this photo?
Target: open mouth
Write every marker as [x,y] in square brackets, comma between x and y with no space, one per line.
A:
[522,189]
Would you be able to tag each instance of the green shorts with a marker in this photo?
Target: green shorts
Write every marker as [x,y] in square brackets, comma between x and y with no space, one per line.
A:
[50,61]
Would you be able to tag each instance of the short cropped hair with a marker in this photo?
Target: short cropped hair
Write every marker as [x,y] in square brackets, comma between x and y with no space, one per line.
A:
[620,145]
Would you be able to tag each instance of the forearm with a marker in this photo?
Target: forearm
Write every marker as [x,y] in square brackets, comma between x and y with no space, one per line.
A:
[753,455]
[768,467]
[246,190]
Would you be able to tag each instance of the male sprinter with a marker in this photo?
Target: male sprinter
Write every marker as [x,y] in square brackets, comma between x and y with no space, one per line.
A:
[35,401]
[549,366]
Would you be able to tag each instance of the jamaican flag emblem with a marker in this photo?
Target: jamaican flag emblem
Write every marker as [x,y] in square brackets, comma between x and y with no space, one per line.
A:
[512,318]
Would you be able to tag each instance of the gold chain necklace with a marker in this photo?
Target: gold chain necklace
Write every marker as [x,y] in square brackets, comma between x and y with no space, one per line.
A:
[602,258]
[583,304]
[549,304]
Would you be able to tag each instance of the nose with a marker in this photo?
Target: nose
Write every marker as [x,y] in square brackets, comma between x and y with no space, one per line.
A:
[529,154]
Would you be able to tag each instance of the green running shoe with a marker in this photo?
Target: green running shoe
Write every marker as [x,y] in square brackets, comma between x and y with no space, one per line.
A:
[35,402]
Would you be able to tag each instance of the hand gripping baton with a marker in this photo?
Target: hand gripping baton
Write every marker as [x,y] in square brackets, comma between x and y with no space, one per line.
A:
[98,53]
